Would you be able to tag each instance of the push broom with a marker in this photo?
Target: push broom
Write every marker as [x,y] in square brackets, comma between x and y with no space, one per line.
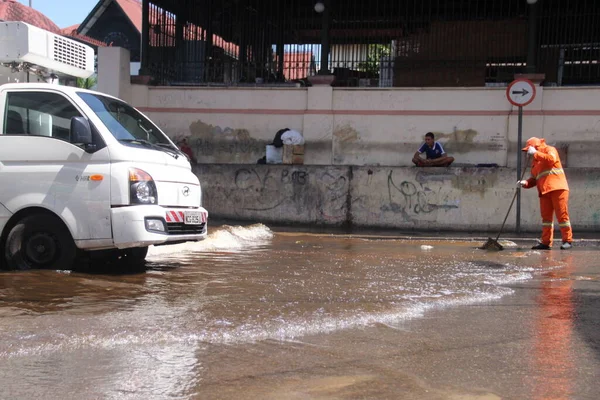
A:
[493,244]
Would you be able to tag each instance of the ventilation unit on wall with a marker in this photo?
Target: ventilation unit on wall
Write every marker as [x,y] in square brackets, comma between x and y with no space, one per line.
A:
[23,46]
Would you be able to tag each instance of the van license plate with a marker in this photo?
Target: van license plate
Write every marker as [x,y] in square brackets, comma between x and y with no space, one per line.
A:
[193,217]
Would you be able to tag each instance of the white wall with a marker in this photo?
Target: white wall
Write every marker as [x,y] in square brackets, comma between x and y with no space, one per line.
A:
[356,126]
[114,76]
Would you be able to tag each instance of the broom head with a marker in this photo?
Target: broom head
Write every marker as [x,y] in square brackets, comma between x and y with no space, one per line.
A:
[492,244]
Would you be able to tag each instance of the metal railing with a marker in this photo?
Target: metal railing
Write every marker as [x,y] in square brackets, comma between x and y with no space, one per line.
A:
[371,43]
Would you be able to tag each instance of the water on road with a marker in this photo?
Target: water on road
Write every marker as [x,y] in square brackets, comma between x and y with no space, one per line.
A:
[250,313]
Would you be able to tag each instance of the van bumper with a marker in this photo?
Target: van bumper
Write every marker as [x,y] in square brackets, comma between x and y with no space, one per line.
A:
[130,226]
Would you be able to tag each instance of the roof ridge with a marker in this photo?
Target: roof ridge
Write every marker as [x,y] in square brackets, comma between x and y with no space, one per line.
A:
[12,10]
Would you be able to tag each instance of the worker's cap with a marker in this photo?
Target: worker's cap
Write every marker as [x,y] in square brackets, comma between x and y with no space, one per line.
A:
[533,141]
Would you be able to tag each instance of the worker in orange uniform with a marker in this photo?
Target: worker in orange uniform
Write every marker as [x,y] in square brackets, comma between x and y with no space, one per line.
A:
[548,175]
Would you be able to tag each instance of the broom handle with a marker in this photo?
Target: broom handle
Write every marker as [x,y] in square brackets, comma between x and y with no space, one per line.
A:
[513,200]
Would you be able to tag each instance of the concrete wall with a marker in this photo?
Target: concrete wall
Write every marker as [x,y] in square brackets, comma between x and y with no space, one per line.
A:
[377,127]
[357,142]
[456,199]
[114,75]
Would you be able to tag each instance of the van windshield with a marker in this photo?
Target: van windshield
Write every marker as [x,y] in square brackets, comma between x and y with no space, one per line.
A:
[127,124]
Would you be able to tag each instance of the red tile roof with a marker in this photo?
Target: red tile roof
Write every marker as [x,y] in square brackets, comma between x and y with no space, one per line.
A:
[68,30]
[87,40]
[133,10]
[12,10]
[296,65]
[71,32]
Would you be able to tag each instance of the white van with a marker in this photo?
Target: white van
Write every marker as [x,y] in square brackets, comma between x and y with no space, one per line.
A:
[80,172]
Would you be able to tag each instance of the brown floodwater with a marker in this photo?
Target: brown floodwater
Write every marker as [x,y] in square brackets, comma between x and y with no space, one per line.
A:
[251,313]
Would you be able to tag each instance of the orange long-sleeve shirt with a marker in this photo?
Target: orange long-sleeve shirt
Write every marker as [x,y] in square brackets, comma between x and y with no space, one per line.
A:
[547,171]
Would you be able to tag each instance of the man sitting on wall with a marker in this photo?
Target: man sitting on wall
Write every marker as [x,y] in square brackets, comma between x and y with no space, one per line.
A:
[436,156]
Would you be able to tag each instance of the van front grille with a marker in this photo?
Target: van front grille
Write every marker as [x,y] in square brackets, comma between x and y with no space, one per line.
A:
[179,228]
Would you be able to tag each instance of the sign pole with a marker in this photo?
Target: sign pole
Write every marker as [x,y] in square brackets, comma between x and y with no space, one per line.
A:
[520,93]
[519,146]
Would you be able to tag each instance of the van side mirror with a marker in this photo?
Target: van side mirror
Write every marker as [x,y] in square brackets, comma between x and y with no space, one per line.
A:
[81,132]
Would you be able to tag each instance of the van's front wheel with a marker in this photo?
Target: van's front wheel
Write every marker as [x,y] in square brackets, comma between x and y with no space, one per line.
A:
[39,241]
[114,260]
[135,258]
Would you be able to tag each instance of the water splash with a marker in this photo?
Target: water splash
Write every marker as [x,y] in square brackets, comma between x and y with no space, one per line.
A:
[224,238]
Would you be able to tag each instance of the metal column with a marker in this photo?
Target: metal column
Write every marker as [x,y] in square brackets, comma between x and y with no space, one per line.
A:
[325,39]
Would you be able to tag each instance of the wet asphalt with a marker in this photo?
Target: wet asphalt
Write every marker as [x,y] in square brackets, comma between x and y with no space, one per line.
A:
[260,313]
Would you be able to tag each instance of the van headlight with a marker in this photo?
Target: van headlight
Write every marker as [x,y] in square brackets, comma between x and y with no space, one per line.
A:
[142,189]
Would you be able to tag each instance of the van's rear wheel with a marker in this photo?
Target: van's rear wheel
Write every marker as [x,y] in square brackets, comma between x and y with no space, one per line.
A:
[39,241]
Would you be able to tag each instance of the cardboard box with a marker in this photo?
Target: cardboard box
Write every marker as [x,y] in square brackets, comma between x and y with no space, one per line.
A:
[293,154]
[297,158]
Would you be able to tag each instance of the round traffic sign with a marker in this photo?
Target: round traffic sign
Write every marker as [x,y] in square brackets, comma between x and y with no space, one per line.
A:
[520,92]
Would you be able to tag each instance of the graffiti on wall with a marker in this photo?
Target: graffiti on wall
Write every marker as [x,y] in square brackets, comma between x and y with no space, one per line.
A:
[410,199]
[325,195]
[295,177]
[332,204]
[266,191]
[258,190]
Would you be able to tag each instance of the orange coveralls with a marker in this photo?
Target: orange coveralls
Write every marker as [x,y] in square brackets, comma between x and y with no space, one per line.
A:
[548,175]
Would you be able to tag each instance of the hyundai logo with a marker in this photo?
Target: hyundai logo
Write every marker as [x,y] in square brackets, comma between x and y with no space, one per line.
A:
[186,191]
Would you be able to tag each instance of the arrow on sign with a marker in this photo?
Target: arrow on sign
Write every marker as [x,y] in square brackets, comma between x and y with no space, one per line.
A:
[522,92]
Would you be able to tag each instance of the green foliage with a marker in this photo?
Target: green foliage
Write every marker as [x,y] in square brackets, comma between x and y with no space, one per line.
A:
[88,83]
[374,54]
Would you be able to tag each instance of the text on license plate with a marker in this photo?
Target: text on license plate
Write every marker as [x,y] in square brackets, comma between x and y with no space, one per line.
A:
[193,218]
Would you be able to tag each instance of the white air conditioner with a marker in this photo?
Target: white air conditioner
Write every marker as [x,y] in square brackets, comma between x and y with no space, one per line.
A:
[44,52]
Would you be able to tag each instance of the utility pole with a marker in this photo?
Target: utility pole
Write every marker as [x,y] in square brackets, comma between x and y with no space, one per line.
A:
[30,1]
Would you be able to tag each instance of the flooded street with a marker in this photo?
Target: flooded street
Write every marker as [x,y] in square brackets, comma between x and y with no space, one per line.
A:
[251,313]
